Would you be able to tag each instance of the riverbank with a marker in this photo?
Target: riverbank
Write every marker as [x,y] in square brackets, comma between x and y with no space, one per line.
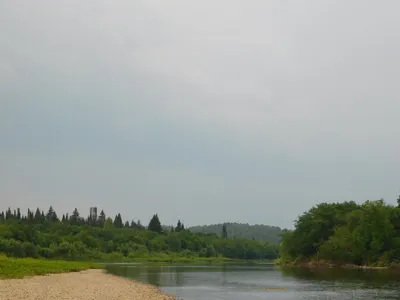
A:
[89,284]
[330,264]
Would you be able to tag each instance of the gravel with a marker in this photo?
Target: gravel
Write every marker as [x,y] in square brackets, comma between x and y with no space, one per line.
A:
[85,285]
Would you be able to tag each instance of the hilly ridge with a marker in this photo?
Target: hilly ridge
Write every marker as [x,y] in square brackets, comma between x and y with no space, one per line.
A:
[240,230]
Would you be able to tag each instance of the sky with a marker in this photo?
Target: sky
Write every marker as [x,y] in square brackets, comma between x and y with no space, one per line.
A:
[203,111]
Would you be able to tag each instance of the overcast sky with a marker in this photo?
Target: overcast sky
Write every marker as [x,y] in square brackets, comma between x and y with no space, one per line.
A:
[207,111]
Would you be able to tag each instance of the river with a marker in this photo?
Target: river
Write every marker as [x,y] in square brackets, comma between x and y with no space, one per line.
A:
[263,281]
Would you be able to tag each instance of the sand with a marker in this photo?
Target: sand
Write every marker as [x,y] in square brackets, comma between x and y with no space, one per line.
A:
[85,285]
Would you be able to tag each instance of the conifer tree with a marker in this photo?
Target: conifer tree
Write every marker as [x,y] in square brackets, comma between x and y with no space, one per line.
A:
[155,224]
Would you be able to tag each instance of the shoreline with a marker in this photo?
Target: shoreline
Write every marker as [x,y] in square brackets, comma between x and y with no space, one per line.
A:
[88,284]
[329,264]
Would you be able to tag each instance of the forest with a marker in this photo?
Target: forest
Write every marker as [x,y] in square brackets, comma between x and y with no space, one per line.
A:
[40,234]
[345,233]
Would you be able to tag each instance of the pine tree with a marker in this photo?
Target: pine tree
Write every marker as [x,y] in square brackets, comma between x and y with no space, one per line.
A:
[18,214]
[127,224]
[398,202]
[155,224]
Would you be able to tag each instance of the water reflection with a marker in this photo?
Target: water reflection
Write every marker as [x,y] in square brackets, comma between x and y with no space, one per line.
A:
[248,282]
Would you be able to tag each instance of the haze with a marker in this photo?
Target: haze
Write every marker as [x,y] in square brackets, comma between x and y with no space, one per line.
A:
[204,111]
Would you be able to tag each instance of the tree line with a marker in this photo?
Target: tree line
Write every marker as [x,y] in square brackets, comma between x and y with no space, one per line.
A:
[346,233]
[71,236]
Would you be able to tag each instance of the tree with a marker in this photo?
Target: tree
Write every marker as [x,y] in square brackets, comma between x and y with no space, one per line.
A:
[224,232]
[179,227]
[75,217]
[155,224]
[82,241]
[118,221]
[38,216]
[133,224]
[18,214]
[8,214]
[51,215]
[398,202]
[102,218]
[30,216]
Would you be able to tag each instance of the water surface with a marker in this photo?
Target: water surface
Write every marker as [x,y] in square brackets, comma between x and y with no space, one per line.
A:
[263,281]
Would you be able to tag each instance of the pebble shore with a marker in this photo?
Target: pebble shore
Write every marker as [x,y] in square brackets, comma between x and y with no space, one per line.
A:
[85,285]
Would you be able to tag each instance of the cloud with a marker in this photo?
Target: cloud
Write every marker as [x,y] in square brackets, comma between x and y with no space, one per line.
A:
[206,105]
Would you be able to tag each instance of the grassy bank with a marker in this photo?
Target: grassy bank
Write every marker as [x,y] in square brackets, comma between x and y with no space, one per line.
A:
[21,267]
[161,257]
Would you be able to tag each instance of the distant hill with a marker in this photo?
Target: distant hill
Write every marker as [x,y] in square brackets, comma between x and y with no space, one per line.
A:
[238,230]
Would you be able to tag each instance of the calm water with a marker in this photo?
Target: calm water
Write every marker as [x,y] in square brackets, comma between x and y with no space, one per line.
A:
[248,282]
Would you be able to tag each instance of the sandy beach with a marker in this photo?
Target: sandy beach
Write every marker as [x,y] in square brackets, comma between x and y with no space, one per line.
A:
[85,285]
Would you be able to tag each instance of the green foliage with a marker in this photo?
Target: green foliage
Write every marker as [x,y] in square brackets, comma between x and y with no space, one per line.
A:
[103,239]
[346,233]
[245,231]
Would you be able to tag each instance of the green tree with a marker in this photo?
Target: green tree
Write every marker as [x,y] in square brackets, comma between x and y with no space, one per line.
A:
[75,217]
[118,221]
[179,226]
[155,224]
[102,218]
[51,215]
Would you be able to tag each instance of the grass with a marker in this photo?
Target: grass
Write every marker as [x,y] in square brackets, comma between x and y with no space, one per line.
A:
[21,267]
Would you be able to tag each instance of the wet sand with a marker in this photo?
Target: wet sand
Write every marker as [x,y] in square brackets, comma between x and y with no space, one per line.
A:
[85,285]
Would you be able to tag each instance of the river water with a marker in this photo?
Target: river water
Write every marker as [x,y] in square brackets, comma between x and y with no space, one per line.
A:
[263,281]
